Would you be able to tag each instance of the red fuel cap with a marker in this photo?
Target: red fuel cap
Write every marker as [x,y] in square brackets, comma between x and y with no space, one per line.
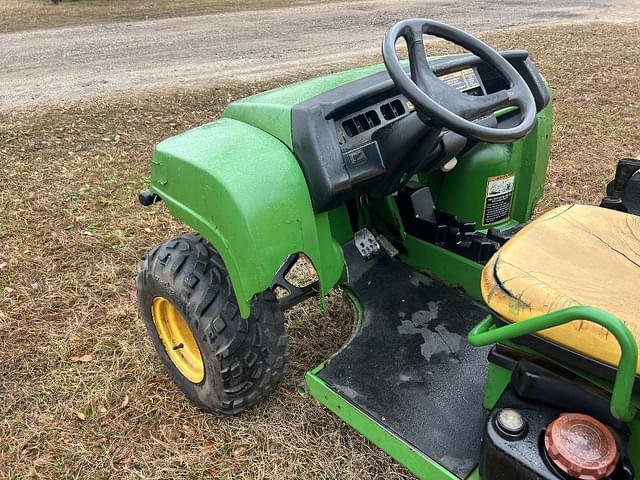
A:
[581,446]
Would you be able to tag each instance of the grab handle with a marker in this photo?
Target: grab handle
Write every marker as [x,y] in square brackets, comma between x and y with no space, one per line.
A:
[484,334]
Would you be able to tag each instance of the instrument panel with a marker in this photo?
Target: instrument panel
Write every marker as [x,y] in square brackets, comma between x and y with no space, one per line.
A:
[356,128]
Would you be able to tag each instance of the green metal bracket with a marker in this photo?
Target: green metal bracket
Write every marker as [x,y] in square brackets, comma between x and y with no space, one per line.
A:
[621,408]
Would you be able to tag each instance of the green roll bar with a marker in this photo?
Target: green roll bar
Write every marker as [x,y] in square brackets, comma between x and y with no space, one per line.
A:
[484,334]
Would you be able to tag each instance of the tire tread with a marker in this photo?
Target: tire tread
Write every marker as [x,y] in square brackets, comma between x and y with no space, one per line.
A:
[244,358]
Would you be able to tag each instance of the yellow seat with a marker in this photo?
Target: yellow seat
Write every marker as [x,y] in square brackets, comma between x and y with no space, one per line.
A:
[572,255]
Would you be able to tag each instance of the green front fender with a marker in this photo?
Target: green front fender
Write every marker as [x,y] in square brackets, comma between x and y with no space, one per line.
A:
[243,190]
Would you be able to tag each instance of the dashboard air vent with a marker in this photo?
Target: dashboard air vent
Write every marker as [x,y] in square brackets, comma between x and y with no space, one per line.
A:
[361,123]
[392,110]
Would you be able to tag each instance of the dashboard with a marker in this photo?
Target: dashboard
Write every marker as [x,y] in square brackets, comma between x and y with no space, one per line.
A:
[350,127]
[346,139]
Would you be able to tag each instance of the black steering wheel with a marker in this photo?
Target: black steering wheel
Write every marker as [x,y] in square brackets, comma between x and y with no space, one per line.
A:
[444,105]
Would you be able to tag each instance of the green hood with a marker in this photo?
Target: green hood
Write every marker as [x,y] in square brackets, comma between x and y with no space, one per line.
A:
[271,111]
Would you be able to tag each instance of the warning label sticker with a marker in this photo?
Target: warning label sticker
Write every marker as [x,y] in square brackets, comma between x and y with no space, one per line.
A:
[462,81]
[498,200]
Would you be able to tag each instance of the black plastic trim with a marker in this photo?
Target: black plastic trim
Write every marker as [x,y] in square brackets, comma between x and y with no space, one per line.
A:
[569,357]
[623,192]
[295,295]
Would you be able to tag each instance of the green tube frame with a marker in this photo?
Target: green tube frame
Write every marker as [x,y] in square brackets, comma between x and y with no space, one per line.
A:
[484,334]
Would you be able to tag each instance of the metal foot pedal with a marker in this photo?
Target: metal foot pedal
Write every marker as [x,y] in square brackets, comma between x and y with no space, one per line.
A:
[366,243]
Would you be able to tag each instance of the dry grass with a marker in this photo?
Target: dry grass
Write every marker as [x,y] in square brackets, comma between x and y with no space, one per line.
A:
[18,15]
[71,233]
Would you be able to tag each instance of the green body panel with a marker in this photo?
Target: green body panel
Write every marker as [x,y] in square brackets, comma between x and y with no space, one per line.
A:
[497,380]
[271,111]
[444,265]
[533,151]
[634,444]
[249,199]
[525,159]
[340,225]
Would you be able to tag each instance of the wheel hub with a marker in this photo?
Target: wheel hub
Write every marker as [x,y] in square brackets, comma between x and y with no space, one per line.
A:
[179,343]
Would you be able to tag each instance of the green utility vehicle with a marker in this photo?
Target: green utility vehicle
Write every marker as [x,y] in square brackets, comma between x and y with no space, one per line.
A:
[486,344]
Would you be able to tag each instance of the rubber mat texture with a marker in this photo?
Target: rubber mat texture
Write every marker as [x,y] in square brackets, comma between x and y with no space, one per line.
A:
[409,367]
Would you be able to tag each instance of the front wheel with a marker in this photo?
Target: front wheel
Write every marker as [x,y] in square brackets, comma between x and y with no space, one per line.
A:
[222,362]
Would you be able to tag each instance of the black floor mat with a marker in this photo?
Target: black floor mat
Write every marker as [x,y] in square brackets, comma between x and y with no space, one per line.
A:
[410,367]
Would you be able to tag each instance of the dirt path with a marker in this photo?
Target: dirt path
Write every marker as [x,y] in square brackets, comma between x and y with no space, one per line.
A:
[71,63]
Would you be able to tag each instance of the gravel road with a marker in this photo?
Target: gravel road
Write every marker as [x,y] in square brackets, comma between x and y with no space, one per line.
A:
[41,66]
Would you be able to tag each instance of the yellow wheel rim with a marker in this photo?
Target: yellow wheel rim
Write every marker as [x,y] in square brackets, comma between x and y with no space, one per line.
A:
[178,341]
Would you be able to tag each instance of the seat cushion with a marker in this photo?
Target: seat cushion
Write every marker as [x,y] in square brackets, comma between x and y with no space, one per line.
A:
[572,255]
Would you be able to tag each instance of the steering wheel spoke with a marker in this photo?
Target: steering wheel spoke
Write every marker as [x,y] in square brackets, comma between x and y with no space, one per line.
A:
[418,64]
[442,104]
[483,105]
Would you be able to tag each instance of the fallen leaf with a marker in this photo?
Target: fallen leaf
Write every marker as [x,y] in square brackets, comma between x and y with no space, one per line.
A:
[125,401]
[238,451]
[87,357]
[102,410]
[81,415]
[35,285]
[3,265]
[190,430]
